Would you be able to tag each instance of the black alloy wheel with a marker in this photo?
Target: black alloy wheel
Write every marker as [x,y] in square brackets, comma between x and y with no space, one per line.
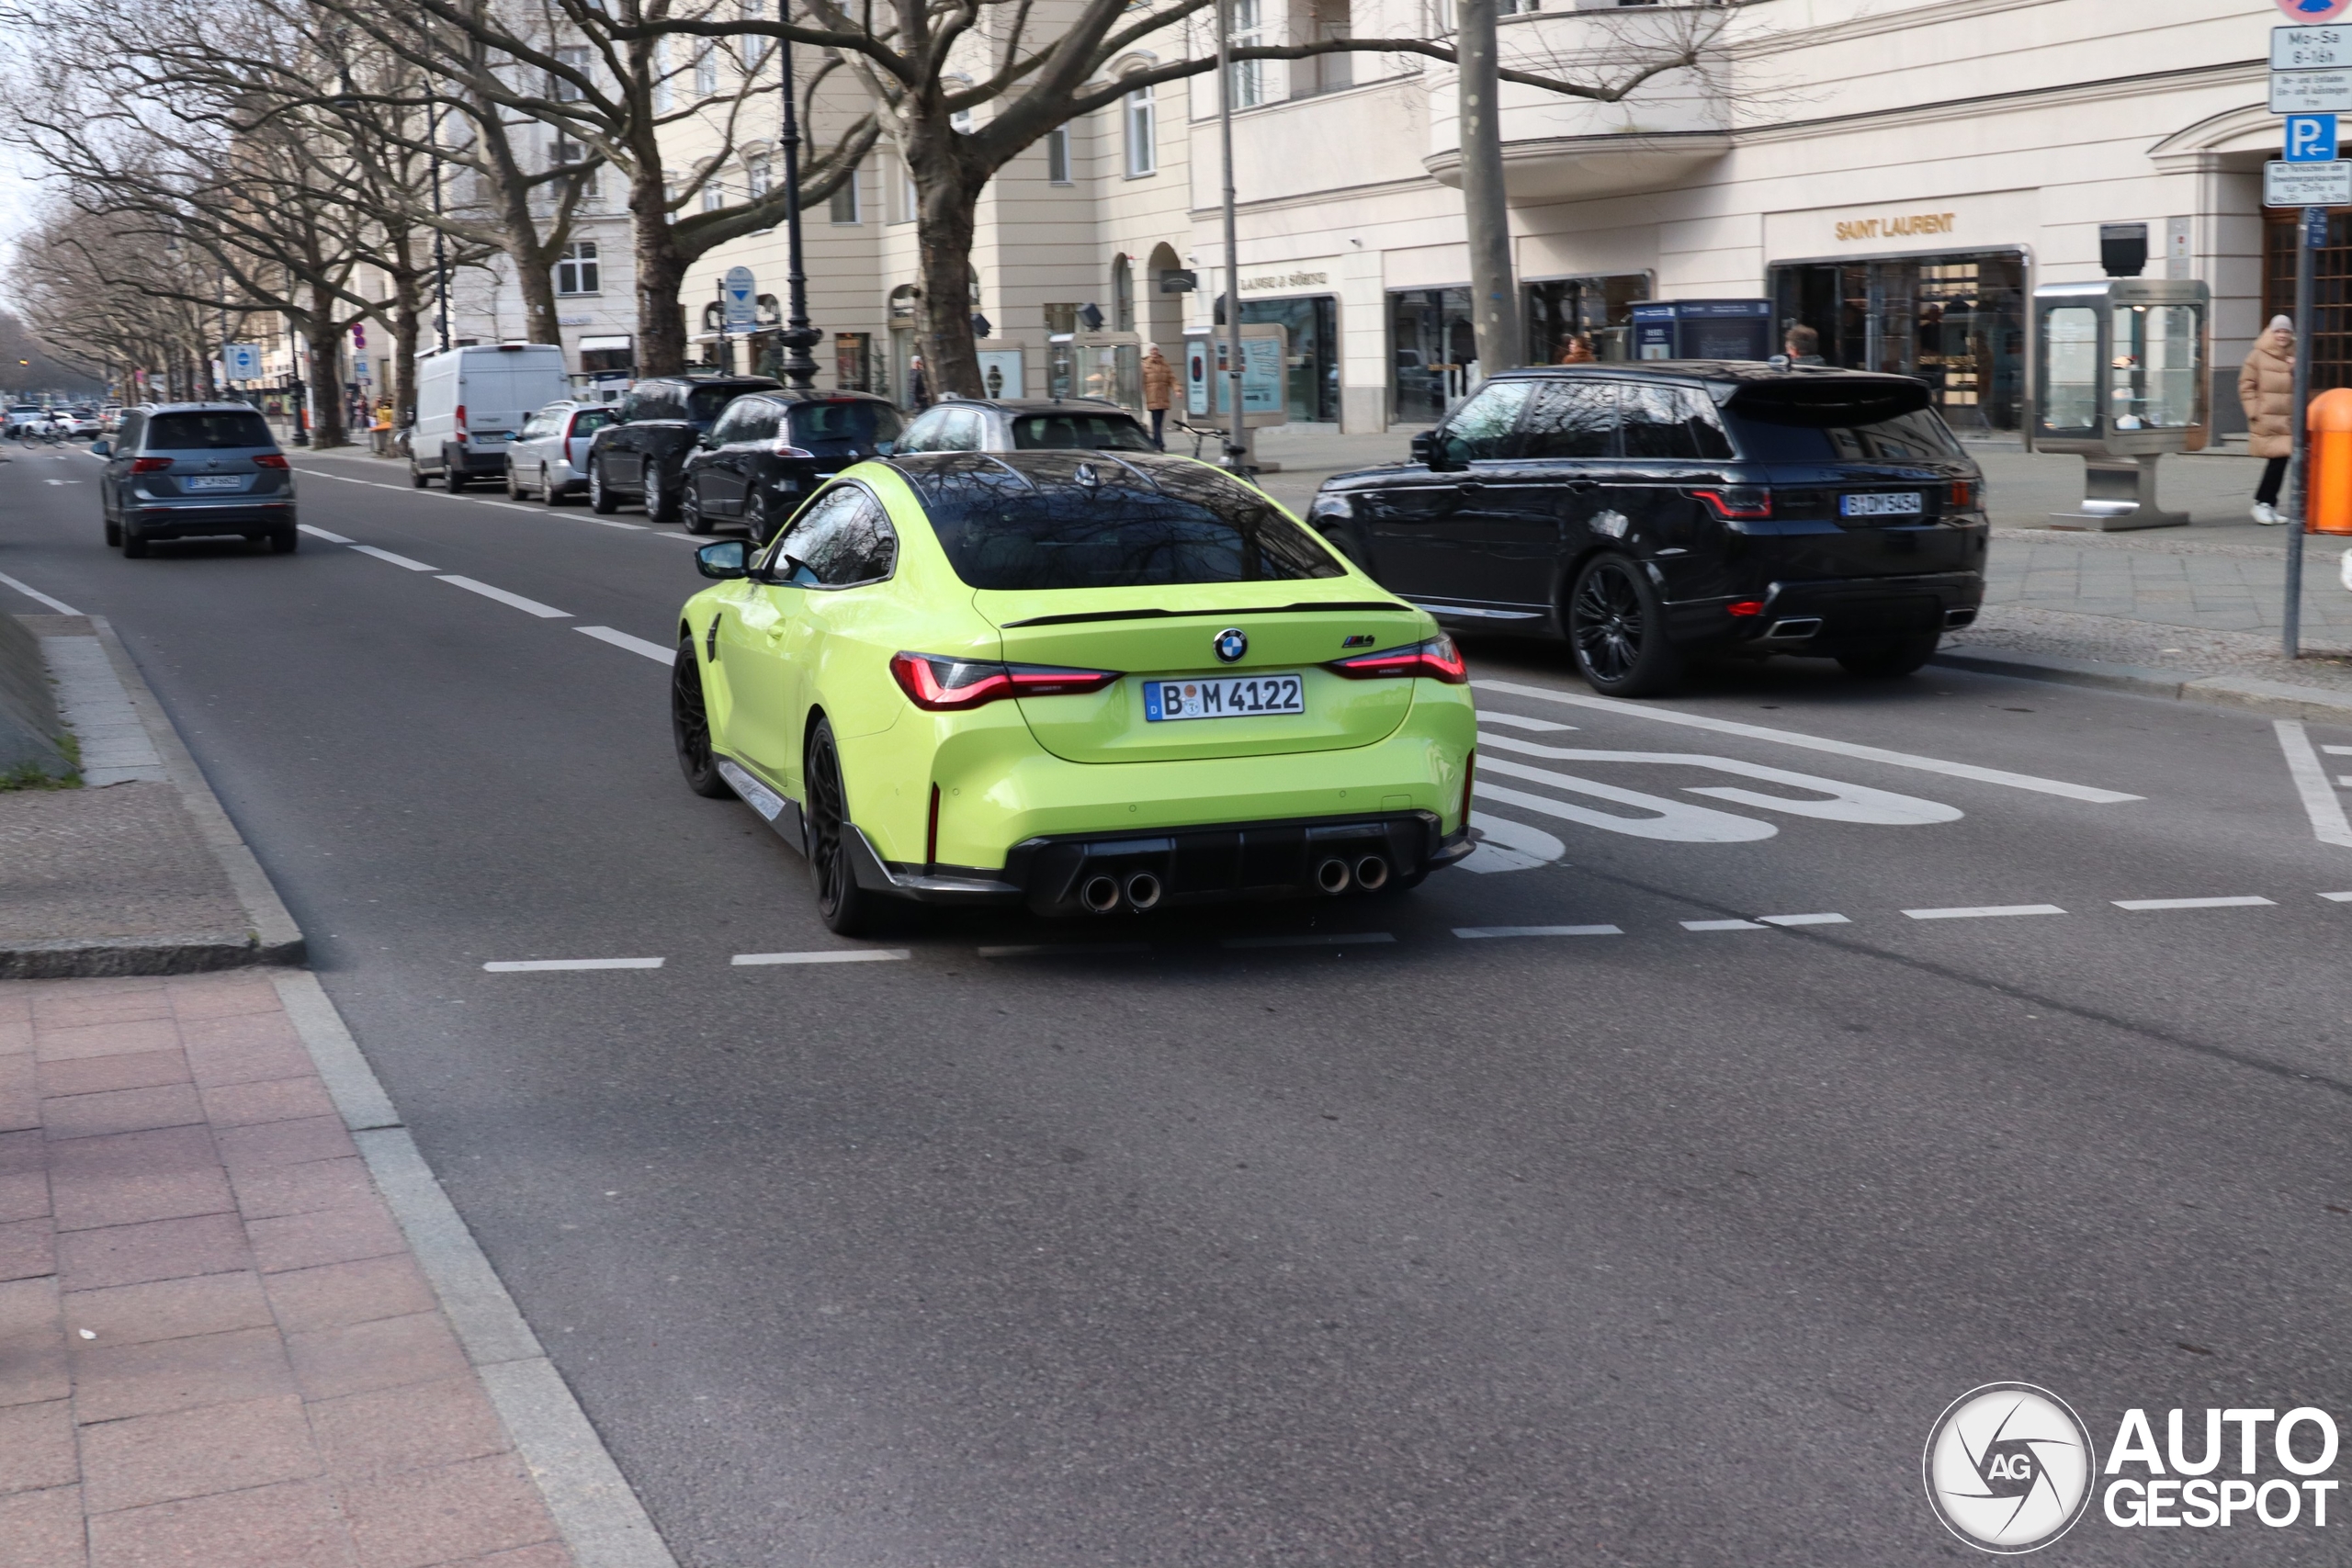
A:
[759,520]
[660,504]
[601,498]
[690,726]
[1894,656]
[1617,628]
[690,510]
[846,908]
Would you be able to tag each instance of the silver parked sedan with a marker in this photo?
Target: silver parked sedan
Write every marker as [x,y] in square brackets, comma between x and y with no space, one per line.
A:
[549,456]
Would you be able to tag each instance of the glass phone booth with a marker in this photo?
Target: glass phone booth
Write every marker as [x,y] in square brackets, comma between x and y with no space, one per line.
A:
[2121,378]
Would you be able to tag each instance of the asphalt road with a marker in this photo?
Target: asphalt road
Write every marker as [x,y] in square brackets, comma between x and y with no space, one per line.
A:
[1509,1222]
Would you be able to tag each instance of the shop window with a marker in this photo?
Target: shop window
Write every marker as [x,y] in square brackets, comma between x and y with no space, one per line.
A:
[853,362]
[2331,279]
[1311,374]
[1433,355]
[1955,322]
[1598,310]
[579,272]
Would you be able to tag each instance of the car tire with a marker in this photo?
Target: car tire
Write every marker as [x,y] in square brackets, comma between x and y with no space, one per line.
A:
[660,504]
[114,533]
[514,490]
[690,510]
[1896,657]
[601,498]
[285,542]
[549,494]
[846,908]
[759,520]
[134,543]
[1616,624]
[690,726]
[417,477]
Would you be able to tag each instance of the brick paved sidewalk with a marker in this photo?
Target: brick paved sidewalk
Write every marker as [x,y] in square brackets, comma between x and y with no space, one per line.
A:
[216,1351]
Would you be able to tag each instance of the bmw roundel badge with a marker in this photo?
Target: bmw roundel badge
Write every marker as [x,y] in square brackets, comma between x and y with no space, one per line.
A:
[1231,644]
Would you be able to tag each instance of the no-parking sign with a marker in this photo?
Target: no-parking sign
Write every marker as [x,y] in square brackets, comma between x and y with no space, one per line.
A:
[2313,10]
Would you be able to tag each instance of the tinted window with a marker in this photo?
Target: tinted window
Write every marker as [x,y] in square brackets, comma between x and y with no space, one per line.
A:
[207,432]
[833,429]
[1479,428]
[589,420]
[705,402]
[1829,424]
[1571,419]
[1670,422]
[921,434]
[1110,432]
[735,424]
[1177,524]
[845,538]
[132,425]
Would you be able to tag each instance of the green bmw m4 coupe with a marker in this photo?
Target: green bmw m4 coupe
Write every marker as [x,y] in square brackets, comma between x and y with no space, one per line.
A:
[1090,682]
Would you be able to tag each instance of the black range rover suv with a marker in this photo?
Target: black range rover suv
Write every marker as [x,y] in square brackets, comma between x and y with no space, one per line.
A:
[1648,513]
[642,454]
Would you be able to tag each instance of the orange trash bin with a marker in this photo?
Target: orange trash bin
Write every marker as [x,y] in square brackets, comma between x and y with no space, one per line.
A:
[2327,488]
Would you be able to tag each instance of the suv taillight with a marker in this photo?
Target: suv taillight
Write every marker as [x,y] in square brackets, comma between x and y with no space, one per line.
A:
[1437,659]
[1963,495]
[1738,501]
[270,460]
[150,465]
[938,684]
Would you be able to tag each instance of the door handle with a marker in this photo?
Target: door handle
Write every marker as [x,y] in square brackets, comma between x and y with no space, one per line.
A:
[1472,488]
[1580,485]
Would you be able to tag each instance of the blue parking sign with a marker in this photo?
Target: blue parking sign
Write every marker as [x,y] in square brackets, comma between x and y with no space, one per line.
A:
[2311,139]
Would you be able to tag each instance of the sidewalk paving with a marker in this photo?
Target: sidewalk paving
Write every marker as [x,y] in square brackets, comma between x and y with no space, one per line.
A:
[216,1348]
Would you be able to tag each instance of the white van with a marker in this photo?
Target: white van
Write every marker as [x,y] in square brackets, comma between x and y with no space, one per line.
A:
[470,403]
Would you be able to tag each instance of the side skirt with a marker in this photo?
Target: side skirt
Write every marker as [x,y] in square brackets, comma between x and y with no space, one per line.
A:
[779,811]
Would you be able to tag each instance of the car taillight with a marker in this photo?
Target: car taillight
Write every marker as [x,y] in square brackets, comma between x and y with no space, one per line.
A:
[1744,607]
[1963,495]
[1738,501]
[270,460]
[150,465]
[939,684]
[1438,659]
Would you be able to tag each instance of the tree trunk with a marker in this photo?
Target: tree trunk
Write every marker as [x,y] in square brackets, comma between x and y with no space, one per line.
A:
[661,275]
[946,217]
[408,312]
[326,382]
[1493,301]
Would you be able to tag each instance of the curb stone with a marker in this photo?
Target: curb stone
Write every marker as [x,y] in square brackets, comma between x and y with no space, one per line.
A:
[2279,698]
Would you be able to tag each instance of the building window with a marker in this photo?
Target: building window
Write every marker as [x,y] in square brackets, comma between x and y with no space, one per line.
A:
[755,48]
[1058,155]
[665,97]
[714,196]
[1249,75]
[759,175]
[705,72]
[1324,21]
[1122,295]
[843,206]
[578,272]
[1143,133]
[561,86]
[910,199]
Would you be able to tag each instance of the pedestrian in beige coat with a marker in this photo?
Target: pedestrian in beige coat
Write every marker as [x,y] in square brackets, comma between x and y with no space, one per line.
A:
[1158,391]
[2266,388]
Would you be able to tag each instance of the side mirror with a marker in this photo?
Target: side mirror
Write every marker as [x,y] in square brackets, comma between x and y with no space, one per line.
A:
[725,558]
[1423,444]
[707,441]
[101,449]
[1434,448]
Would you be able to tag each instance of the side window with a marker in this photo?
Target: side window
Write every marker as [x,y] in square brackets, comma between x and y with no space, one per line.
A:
[733,426]
[134,426]
[766,419]
[1672,421]
[1480,429]
[844,539]
[1571,419]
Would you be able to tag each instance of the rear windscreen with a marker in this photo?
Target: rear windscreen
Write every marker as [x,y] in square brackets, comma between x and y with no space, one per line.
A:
[207,432]
[1101,432]
[1125,530]
[1826,422]
[587,420]
[829,430]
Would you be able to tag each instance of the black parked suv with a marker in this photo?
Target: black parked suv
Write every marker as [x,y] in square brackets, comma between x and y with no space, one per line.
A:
[642,453]
[187,470]
[769,451]
[1647,512]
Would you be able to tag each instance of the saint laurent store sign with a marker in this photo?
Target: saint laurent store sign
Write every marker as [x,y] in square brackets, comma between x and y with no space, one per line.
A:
[1909,225]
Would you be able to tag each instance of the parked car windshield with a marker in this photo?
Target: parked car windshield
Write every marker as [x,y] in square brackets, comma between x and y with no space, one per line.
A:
[1002,531]
[1101,432]
[831,429]
[229,431]
[1829,422]
[706,403]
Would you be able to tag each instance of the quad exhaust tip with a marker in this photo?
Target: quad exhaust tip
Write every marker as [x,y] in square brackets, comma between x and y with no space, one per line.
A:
[1143,891]
[1371,874]
[1331,875]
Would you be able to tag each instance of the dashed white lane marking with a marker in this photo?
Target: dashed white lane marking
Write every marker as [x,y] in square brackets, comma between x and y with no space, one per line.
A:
[528,606]
[2191,903]
[36,596]
[2321,803]
[829,956]
[517,966]
[1520,721]
[396,561]
[2337,898]
[321,533]
[1056,949]
[634,644]
[1805,920]
[485,501]
[1474,933]
[1818,743]
[1722,926]
[1309,939]
[1984,911]
[2338,750]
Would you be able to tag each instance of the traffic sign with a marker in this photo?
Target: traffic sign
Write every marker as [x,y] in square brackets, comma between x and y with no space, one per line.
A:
[2306,184]
[2313,10]
[741,296]
[2311,139]
[241,361]
[2311,92]
[2311,49]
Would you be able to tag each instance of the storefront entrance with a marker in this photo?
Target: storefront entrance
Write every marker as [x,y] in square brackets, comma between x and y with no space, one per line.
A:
[1311,382]
[1432,352]
[1955,322]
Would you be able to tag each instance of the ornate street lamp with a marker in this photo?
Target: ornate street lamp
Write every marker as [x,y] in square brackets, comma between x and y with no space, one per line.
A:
[798,337]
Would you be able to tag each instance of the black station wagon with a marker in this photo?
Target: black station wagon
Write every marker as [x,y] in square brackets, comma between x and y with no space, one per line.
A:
[1650,513]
